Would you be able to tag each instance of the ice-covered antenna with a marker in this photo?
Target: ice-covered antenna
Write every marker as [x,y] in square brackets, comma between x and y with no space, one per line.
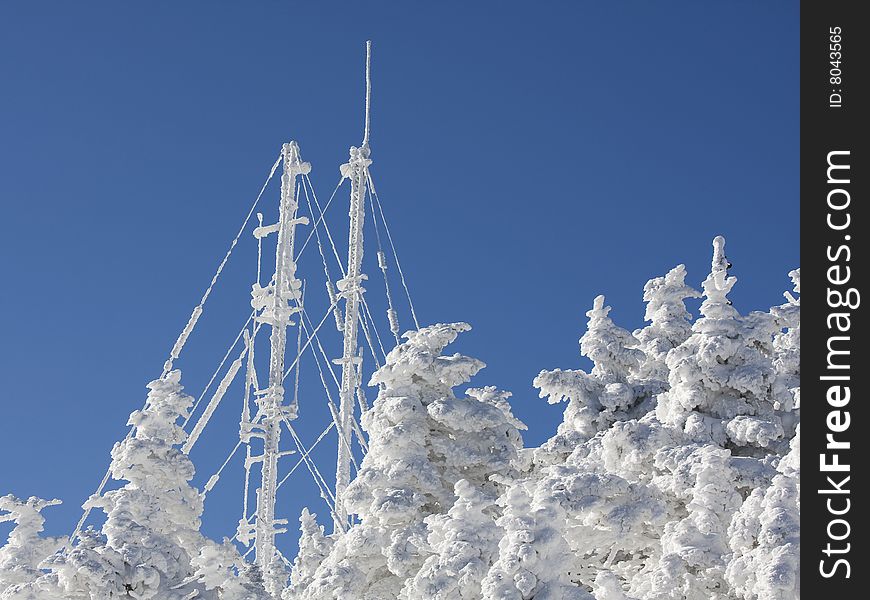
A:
[368,91]
[275,305]
[350,288]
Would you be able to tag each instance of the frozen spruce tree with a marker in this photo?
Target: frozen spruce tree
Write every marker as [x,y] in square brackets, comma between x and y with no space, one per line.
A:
[721,377]
[464,543]
[765,537]
[597,399]
[152,521]
[25,549]
[787,349]
[220,569]
[612,525]
[694,548]
[422,440]
[669,321]
[534,559]
[87,571]
[314,546]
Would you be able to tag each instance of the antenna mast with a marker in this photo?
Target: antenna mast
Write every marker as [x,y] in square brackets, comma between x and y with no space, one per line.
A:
[275,304]
[350,288]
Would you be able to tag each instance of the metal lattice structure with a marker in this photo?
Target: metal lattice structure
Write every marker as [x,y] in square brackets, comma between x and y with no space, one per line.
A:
[278,306]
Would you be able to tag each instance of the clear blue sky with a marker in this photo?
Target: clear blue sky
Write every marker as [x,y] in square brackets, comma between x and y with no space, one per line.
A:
[529,157]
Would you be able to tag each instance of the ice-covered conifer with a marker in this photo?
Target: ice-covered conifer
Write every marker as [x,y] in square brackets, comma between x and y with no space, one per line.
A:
[610,347]
[787,349]
[607,586]
[24,549]
[669,321]
[534,560]
[465,544]
[610,523]
[694,548]
[422,440]
[314,546]
[153,520]
[596,399]
[90,570]
[223,572]
[765,537]
[721,377]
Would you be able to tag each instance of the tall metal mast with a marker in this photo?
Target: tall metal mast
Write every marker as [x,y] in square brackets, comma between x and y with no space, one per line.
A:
[275,305]
[350,288]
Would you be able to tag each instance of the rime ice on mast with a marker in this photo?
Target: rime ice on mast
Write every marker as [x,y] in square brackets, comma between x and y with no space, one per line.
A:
[274,305]
[350,288]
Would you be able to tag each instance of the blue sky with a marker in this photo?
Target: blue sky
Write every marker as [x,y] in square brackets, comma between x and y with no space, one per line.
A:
[529,157]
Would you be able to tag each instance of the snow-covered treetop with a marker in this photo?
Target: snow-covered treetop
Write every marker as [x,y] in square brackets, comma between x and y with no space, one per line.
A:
[796,280]
[610,347]
[664,297]
[666,309]
[25,549]
[718,284]
[420,357]
[26,514]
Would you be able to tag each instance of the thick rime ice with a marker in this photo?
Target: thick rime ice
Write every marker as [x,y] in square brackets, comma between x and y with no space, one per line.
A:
[464,543]
[722,377]
[534,559]
[765,536]
[151,531]
[219,568]
[153,520]
[596,400]
[787,349]
[669,321]
[25,549]
[422,440]
[674,475]
[314,546]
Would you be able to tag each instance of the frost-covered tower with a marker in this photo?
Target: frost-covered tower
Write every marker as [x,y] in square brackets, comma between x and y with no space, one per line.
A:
[350,289]
[274,304]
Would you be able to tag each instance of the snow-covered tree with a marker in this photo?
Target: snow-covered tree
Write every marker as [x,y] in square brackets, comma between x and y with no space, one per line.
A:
[765,537]
[669,321]
[24,549]
[88,571]
[694,548]
[422,440]
[314,546]
[611,524]
[534,559]
[787,349]
[721,377]
[765,533]
[598,398]
[153,521]
[221,570]
[465,545]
